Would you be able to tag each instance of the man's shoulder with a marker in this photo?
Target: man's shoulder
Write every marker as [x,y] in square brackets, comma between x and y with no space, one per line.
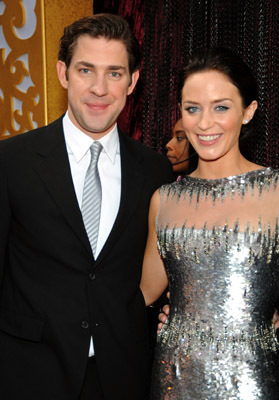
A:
[140,149]
[153,164]
[31,136]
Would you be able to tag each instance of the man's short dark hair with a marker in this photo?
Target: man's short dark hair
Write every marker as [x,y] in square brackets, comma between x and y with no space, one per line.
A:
[107,26]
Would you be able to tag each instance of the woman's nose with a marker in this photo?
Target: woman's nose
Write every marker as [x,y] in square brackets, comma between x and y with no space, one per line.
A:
[206,120]
[169,145]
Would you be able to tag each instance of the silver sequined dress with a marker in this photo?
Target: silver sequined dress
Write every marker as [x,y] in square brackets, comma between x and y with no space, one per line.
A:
[219,241]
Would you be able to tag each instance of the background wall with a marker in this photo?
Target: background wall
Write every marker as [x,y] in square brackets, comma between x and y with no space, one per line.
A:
[30,93]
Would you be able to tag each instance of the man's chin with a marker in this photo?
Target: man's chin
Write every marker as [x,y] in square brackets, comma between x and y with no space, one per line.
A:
[97,131]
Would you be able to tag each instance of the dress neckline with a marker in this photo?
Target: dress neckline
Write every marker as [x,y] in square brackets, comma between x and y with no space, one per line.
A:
[253,173]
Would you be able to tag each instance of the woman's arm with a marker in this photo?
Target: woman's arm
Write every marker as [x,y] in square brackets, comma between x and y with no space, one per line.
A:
[154,278]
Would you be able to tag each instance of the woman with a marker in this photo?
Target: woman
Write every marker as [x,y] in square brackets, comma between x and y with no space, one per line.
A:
[178,149]
[180,153]
[217,234]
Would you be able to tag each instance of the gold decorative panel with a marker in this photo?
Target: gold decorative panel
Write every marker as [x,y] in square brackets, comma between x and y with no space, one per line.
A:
[22,91]
[30,93]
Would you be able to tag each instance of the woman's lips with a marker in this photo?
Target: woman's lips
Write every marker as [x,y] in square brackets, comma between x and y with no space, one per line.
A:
[208,139]
[171,158]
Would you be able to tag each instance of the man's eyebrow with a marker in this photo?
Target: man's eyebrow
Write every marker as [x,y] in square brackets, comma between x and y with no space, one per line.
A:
[115,67]
[110,67]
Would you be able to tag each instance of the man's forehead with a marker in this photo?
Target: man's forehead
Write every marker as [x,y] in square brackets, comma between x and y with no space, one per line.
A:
[101,41]
[111,51]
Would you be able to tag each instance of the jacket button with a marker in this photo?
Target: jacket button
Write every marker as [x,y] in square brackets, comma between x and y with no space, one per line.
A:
[84,324]
[92,276]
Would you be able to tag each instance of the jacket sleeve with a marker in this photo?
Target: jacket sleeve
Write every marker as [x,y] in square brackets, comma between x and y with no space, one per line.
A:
[165,168]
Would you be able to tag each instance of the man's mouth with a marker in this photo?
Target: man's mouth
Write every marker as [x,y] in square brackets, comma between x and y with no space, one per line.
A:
[97,106]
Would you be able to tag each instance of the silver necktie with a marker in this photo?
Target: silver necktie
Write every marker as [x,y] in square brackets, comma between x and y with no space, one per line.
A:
[92,197]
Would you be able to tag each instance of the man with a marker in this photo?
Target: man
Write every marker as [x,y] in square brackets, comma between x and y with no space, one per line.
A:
[72,317]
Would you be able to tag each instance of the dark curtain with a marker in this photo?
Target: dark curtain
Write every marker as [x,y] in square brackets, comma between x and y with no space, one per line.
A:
[173,29]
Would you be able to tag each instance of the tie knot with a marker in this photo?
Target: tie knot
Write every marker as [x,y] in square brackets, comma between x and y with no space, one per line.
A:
[95,150]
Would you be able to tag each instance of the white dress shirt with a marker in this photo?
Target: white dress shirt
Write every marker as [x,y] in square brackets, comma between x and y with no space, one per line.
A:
[78,148]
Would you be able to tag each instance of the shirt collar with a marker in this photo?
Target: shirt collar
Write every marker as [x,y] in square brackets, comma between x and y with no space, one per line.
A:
[79,143]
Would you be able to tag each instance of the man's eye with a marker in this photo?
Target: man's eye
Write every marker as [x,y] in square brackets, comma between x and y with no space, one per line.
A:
[115,74]
[85,70]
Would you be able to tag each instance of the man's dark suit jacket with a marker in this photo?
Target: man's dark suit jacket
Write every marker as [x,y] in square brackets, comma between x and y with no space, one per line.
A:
[53,295]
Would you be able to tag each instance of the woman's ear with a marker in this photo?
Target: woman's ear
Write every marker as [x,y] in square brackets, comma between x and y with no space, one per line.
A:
[249,112]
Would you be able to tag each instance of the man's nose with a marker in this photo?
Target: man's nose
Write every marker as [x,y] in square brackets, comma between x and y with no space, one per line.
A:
[99,86]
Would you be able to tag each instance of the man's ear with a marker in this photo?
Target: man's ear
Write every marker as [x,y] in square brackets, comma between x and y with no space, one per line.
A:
[134,79]
[62,73]
[250,111]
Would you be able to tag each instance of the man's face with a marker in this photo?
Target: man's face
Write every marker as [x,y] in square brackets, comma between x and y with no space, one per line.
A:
[98,82]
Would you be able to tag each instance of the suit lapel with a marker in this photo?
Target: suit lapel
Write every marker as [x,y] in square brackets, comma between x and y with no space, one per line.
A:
[52,164]
[132,180]
[54,169]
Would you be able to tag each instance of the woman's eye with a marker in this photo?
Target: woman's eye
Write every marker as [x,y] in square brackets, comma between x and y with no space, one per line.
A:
[192,109]
[222,108]
[180,138]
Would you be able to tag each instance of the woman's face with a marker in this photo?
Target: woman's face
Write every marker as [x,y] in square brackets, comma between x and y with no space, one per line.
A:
[213,113]
[178,148]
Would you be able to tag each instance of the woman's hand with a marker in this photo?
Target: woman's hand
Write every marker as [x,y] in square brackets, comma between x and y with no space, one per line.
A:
[163,317]
[164,313]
